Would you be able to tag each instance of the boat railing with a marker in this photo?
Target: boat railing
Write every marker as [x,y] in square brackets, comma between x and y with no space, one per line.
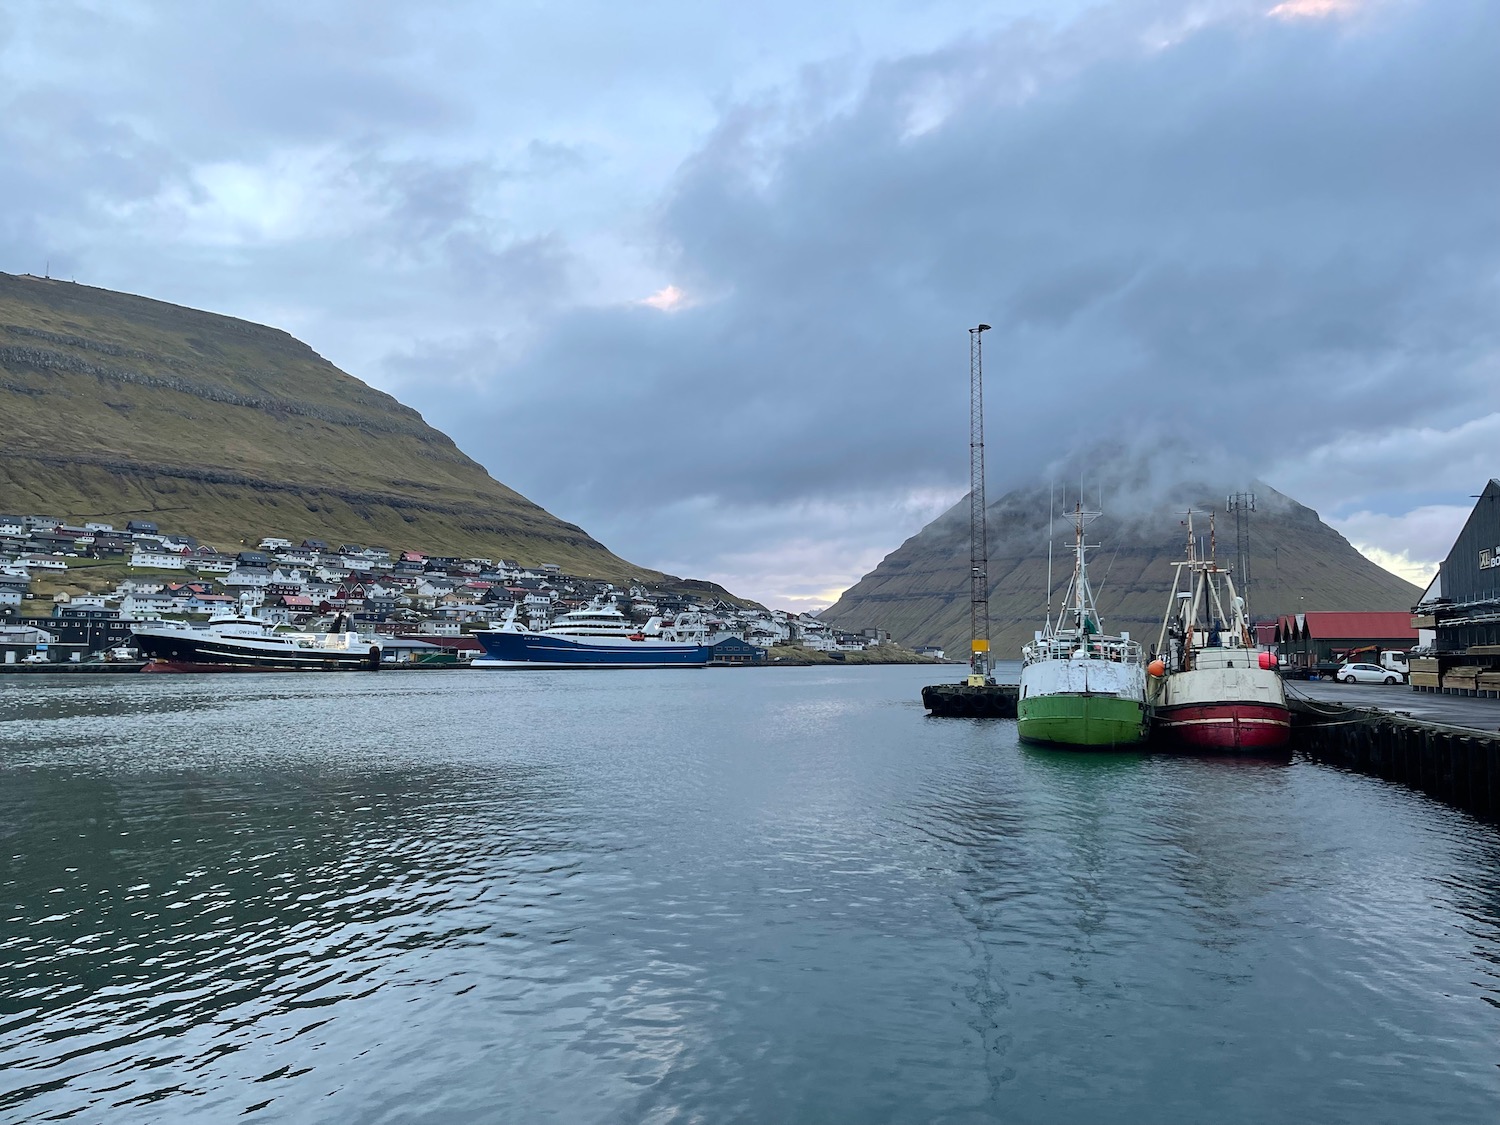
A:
[1090,647]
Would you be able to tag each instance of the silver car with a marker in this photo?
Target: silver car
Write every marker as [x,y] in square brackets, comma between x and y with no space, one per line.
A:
[1367,674]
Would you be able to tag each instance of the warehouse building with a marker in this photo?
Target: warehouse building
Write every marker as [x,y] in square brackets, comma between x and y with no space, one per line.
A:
[1310,641]
[1462,609]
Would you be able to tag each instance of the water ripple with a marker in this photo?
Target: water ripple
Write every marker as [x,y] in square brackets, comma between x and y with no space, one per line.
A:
[784,895]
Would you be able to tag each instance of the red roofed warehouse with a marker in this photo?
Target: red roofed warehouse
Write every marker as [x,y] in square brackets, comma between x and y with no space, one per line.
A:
[1309,639]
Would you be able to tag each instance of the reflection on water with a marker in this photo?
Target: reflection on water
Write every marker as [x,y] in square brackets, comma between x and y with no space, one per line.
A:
[768,895]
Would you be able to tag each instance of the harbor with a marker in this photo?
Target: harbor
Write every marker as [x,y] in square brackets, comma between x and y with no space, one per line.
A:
[342,891]
[1127,754]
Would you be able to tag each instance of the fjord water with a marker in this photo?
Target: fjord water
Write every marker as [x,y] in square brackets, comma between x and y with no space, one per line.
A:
[739,895]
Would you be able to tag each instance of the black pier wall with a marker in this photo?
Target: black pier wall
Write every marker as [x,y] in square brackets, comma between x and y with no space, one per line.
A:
[1456,765]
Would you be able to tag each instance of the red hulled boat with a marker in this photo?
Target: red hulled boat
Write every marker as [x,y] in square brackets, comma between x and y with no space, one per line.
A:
[1209,687]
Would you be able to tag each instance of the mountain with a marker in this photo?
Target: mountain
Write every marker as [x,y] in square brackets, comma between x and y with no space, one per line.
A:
[920,591]
[119,407]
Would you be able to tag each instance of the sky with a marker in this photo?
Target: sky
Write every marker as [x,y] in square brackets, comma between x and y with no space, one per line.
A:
[698,277]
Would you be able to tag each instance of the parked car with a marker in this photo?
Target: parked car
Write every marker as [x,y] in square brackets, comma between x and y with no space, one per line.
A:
[1366,674]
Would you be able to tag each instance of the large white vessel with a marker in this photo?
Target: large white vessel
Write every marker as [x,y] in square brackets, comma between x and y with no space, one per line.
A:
[241,641]
[1080,686]
[599,636]
[1210,687]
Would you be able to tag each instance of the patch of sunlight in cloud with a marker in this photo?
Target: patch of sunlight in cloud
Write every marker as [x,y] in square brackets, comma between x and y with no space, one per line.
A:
[667,299]
[1419,572]
[1313,9]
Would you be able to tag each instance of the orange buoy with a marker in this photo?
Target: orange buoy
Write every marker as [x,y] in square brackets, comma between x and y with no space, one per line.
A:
[1157,667]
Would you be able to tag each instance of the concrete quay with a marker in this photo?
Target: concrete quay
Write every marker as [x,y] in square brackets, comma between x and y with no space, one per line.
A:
[1473,712]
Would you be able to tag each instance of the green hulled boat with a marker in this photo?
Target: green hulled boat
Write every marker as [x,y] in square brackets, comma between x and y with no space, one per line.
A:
[1081,687]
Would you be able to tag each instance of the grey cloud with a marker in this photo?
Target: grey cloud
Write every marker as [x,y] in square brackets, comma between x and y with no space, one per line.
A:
[1266,232]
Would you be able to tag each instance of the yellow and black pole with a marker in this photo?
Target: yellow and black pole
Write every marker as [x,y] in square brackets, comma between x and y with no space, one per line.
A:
[979,583]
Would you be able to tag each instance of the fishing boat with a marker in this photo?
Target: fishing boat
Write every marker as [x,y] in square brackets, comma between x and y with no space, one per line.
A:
[1080,686]
[243,642]
[598,636]
[1210,687]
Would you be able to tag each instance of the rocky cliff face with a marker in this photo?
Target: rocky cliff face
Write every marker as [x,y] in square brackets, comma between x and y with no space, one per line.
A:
[920,592]
[120,407]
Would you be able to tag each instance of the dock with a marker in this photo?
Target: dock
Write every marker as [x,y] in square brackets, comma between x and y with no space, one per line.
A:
[960,701]
[1445,746]
[73,668]
[1458,765]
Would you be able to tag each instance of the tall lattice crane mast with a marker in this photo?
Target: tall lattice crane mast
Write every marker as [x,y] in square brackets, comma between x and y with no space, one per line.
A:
[979,581]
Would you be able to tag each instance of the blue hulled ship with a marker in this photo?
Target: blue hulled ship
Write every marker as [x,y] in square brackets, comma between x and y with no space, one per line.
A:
[597,637]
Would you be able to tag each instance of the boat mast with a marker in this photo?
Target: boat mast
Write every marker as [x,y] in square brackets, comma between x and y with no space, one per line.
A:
[1080,584]
[979,584]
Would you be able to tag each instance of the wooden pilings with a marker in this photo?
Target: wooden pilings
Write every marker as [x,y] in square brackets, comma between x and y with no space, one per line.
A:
[1456,765]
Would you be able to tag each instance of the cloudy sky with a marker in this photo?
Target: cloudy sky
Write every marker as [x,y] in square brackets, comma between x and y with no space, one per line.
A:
[698,276]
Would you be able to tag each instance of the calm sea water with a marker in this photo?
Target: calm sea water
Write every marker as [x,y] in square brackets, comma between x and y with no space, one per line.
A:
[770,895]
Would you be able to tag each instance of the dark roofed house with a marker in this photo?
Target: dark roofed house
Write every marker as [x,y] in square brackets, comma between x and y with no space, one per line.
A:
[315,544]
[732,650]
[141,527]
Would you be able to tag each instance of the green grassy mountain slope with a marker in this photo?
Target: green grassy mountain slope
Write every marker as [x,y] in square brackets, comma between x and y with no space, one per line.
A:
[119,407]
[920,591]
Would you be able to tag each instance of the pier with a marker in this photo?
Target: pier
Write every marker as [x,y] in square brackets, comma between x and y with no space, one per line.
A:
[1446,747]
[960,701]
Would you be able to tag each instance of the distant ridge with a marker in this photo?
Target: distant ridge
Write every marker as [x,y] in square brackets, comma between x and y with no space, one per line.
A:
[920,591]
[117,406]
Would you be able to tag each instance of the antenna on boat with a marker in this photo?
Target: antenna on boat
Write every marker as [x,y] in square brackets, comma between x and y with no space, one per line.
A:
[1051,509]
[979,585]
[1242,504]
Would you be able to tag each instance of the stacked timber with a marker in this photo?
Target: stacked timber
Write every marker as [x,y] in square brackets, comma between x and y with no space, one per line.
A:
[1462,680]
[1423,673]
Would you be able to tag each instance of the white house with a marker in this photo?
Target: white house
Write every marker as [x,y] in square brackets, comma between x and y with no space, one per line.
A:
[138,586]
[817,636]
[157,560]
[42,562]
[272,543]
[98,527]
[12,525]
[248,576]
[145,607]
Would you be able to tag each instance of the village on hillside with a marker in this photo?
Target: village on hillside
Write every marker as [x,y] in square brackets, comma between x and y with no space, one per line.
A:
[423,605]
